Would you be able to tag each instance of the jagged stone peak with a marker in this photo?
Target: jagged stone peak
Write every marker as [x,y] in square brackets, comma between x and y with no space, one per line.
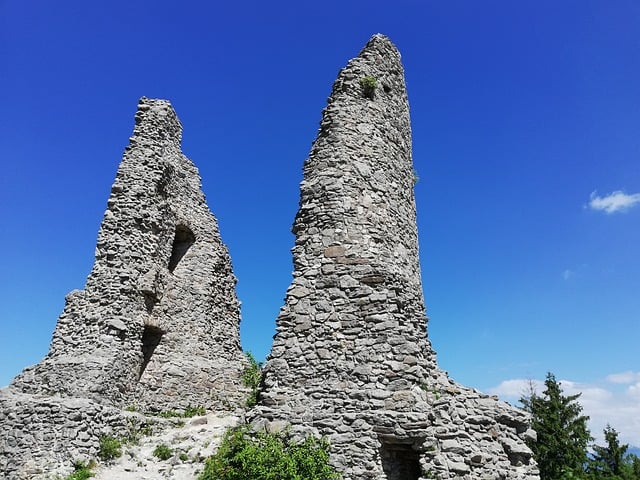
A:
[381,42]
[156,119]
[380,62]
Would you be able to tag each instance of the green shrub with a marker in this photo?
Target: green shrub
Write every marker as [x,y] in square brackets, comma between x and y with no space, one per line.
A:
[169,414]
[194,411]
[188,412]
[162,452]
[110,448]
[369,85]
[262,456]
[183,457]
[251,377]
[81,471]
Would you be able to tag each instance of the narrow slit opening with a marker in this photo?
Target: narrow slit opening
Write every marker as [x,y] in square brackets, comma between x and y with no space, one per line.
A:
[151,337]
[182,241]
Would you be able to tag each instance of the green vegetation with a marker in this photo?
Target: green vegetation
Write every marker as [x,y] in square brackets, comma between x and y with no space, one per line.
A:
[81,471]
[188,412]
[162,452]
[136,430]
[561,447]
[263,456]
[194,411]
[251,377]
[612,460]
[369,85]
[563,436]
[183,457]
[110,448]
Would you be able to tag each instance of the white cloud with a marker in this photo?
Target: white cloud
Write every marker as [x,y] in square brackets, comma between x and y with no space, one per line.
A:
[617,201]
[614,401]
[514,389]
[624,377]
[567,274]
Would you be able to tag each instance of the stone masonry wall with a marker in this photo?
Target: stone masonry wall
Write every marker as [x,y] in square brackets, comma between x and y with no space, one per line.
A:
[156,326]
[350,358]
[41,435]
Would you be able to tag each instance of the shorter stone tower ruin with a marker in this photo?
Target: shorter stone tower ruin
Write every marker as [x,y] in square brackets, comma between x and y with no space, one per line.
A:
[350,359]
[157,325]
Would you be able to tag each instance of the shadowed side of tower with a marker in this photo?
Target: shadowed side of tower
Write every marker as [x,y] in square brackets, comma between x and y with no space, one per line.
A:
[351,359]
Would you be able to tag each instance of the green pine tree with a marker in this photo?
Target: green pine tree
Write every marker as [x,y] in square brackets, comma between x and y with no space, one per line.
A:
[612,461]
[561,445]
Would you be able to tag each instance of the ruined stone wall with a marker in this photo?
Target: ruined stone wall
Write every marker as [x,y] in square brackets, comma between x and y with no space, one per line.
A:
[41,435]
[156,326]
[350,358]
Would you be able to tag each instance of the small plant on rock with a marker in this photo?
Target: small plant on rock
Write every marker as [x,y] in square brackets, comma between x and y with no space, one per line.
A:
[194,411]
[81,471]
[162,452]
[369,85]
[251,377]
[110,448]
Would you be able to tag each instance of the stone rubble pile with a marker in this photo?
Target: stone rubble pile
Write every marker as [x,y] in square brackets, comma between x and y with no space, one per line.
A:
[189,446]
[350,358]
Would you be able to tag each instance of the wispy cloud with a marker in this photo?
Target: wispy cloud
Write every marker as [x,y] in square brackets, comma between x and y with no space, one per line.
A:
[617,201]
[614,401]
[624,377]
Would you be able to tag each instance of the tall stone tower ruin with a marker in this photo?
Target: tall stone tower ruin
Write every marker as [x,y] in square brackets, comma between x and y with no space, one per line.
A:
[157,325]
[350,358]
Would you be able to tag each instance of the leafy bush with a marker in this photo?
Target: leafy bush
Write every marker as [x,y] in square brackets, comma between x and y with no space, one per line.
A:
[162,452]
[110,448]
[81,471]
[263,456]
[251,377]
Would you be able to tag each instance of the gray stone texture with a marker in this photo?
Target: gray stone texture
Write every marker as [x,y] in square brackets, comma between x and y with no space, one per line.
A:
[350,358]
[40,436]
[157,325]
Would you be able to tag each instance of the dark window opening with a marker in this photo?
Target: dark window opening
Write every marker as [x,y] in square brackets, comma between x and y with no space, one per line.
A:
[182,241]
[400,461]
[150,301]
[151,337]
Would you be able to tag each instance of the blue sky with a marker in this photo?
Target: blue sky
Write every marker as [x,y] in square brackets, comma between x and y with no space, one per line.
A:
[525,119]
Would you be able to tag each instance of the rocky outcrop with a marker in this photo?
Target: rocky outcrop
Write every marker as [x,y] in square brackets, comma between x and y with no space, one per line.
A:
[157,325]
[350,358]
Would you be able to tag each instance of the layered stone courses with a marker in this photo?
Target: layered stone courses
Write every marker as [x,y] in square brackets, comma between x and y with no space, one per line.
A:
[350,358]
[157,324]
